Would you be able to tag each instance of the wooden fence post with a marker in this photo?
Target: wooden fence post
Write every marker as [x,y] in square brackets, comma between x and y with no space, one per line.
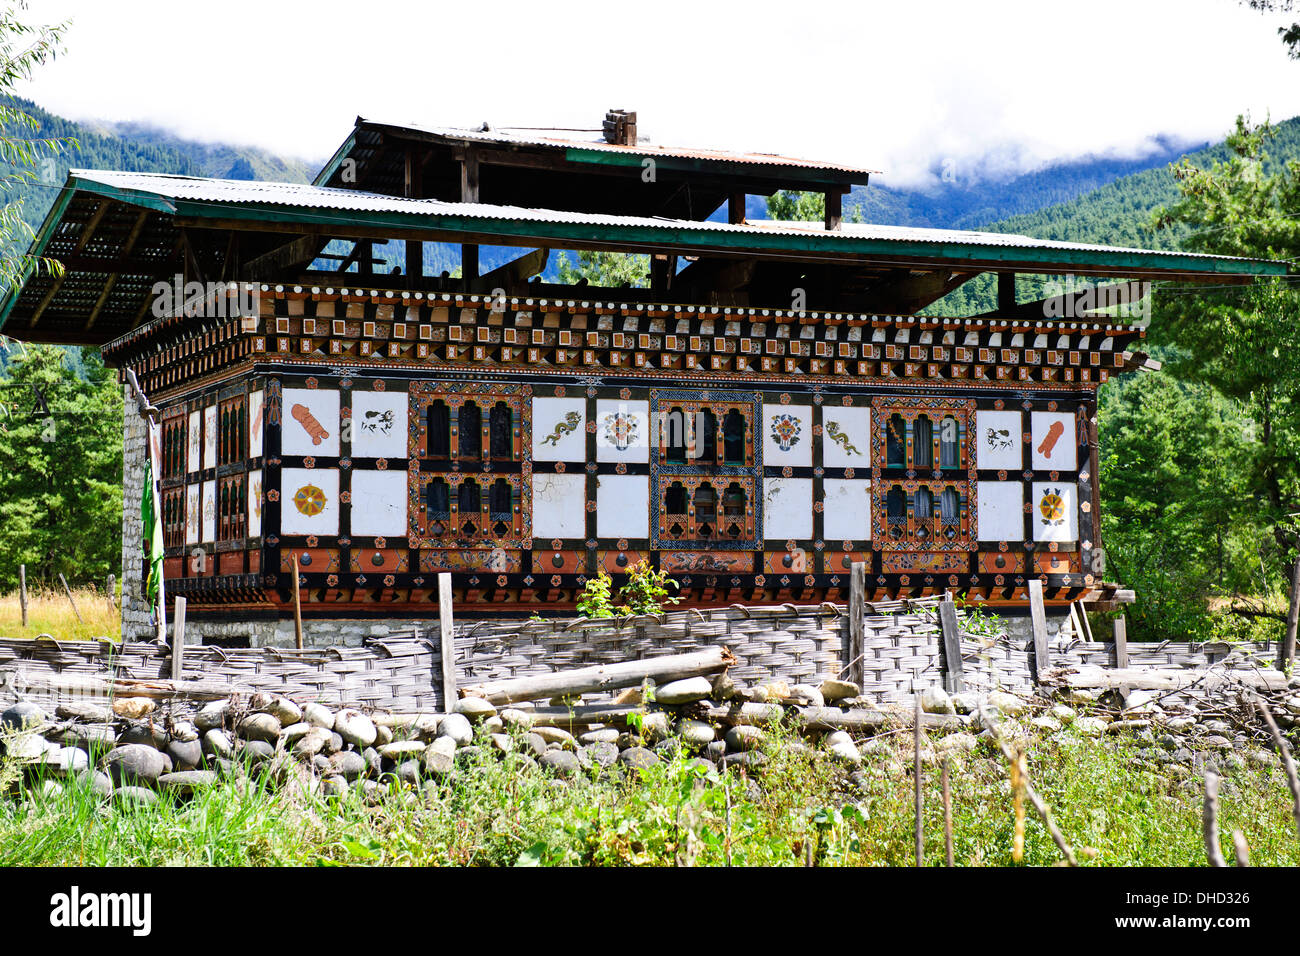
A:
[952,679]
[22,590]
[1038,615]
[857,621]
[1286,653]
[447,642]
[178,639]
[1121,642]
[916,779]
[297,606]
[112,592]
[68,591]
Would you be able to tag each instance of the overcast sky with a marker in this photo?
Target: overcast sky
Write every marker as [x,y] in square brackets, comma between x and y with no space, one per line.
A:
[898,86]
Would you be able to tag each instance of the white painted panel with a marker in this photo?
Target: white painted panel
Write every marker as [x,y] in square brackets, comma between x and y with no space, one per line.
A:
[194,446]
[787,508]
[559,429]
[310,423]
[255,503]
[622,506]
[787,435]
[1056,511]
[846,509]
[622,431]
[193,513]
[210,437]
[256,419]
[559,506]
[999,440]
[379,503]
[1001,514]
[846,437]
[209,511]
[302,492]
[1054,445]
[379,425]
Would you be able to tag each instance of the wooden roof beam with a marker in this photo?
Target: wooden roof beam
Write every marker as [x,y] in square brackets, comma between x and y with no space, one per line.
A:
[87,231]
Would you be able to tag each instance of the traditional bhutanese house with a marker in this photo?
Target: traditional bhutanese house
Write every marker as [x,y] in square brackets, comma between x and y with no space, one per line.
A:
[767,409]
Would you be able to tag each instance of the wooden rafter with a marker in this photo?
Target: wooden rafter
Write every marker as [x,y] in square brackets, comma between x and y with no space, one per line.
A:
[86,233]
[136,228]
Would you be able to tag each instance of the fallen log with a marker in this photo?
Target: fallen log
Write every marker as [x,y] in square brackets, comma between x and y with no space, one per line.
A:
[603,677]
[1090,677]
[82,686]
[815,719]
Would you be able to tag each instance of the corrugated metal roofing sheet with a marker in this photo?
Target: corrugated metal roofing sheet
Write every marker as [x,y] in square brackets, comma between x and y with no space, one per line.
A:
[299,195]
[643,148]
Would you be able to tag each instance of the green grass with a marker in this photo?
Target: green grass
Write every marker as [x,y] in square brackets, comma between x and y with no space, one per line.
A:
[1111,809]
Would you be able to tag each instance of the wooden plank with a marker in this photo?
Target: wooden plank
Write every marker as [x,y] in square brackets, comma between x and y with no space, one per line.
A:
[1038,615]
[297,605]
[178,640]
[1286,653]
[447,641]
[857,621]
[1121,642]
[952,679]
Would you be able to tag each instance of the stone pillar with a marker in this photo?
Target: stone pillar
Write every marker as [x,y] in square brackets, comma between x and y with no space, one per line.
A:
[135,610]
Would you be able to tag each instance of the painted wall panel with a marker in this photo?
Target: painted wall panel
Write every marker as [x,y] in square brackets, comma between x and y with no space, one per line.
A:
[846,509]
[846,437]
[209,511]
[787,508]
[999,440]
[309,501]
[256,421]
[622,431]
[559,429]
[1001,512]
[787,435]
[559,506]
[194,443]
[210,437]
[1056,511]
[379,503]
[255,503]
[379,424]
[193,513]
[310,423]
[1054,443]
[623,506]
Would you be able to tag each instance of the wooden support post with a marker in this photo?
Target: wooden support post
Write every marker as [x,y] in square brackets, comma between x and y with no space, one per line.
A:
[468,262]
[1121,642]
[736,208]
[297,605]
[952,679]
[112,591]
[1038,616]
[834,209]
[857,621]
[22,590]
[447,641]
[916,779]
[1286,653]
[1007,295]
[68,591]
[178,639]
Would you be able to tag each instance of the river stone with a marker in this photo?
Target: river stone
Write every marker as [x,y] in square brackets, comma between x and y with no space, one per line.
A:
[503,743]
[1180,724]
[355,728]
[668,749]
[966,703]
[774,691]
[400,750]
[935,700]
[1046,724]
[348,764]
[27,748]
[715,751]
[68,761]
[1007,704]
[475,708]
[333,786]
[318,715]
[134,708]
[409,772]
[805,695]
[956,743]
[185,754]
[22,715]
[686,691]
[514,717]
[258,751]
[557,735]
[284,710]
[187,781]
[139,732]
[260,727]
[840,746]
[84,710]
[291,734]
[723,688]
[211,715]
[457,727]
[834,689]
[135,796]
[605,735]
[695,733]
[440,756]
[95,780]
[749,758]
[638,758]
[562,762]
[1063,713]
[743,737]
[655,726]
[494,725]
[536,744]
[130,763]
[218,744]
[602,753]
[1090,726]
[383,735]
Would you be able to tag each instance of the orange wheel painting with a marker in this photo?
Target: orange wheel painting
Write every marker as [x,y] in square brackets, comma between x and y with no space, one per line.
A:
[1052,507]
[310,500]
